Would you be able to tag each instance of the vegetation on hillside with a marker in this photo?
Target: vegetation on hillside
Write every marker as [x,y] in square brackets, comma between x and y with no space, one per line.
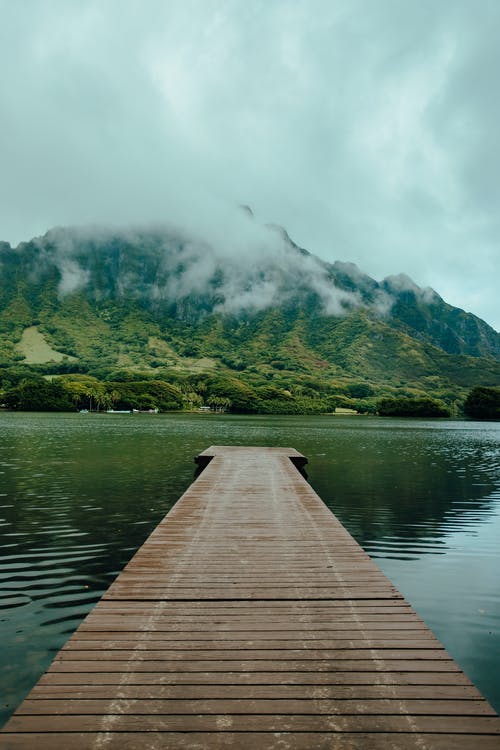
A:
[110,323]
[412,407]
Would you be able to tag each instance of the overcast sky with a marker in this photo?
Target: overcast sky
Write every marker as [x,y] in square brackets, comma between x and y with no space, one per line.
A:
[370,129]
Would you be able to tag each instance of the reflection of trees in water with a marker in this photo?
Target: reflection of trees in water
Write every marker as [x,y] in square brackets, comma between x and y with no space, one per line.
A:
[413,489]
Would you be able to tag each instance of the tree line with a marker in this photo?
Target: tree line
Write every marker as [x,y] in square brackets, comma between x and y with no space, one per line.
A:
[70,392]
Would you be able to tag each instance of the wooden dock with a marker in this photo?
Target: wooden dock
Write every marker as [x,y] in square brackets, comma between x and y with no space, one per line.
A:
[250,618]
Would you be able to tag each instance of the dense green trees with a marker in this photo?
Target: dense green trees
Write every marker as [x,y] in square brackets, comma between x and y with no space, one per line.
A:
[360,390]
[86,392]
[146,394]
[483,403]
[75,392]
[23,388]
[37,394]
[412,407]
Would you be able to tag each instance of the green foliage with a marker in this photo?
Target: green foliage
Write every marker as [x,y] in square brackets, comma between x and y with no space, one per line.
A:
[37,394]
[16,316]
[219,403]
[234,362]
[412,407]
[86,392]
[243,397]
[360,390]
[483,403]
[144,395]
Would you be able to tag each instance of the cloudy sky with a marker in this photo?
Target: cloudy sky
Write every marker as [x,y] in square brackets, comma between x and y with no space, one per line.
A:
[370,129]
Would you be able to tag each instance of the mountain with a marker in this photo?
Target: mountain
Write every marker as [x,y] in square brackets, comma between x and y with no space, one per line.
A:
[266,314]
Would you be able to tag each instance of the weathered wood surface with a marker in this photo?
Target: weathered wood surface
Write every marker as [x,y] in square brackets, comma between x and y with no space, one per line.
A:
[250,618]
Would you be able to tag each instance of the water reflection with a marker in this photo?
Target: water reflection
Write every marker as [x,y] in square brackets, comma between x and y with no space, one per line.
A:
[79,493]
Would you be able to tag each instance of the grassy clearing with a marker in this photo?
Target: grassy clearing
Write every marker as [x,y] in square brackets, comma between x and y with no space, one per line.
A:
[36,350]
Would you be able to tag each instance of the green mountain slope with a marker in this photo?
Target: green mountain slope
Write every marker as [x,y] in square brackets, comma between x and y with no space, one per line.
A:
[281,327]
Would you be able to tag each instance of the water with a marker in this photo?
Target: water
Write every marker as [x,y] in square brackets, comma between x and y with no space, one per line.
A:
[80,493]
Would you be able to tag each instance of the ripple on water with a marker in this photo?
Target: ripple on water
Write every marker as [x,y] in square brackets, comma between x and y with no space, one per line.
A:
[10,602]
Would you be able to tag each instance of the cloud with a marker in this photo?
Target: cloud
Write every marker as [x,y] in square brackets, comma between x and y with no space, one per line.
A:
[402,283]
[164,263]
[73,277]
[368,130]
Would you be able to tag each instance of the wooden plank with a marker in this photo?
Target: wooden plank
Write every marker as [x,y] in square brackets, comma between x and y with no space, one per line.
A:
[257,627]
[255,654]
[227,611]
[131,722]
[251,619]
[205,692]
[288,706]
[239,607]
[152,644]
[249,665]
[254,678]
[251,741]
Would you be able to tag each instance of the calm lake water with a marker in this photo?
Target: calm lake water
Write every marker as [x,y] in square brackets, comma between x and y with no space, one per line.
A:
[79,493]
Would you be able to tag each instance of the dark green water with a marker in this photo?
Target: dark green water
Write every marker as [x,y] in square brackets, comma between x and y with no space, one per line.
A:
[80,493]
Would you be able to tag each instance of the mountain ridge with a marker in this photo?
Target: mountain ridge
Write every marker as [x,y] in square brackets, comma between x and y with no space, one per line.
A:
[158,300]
